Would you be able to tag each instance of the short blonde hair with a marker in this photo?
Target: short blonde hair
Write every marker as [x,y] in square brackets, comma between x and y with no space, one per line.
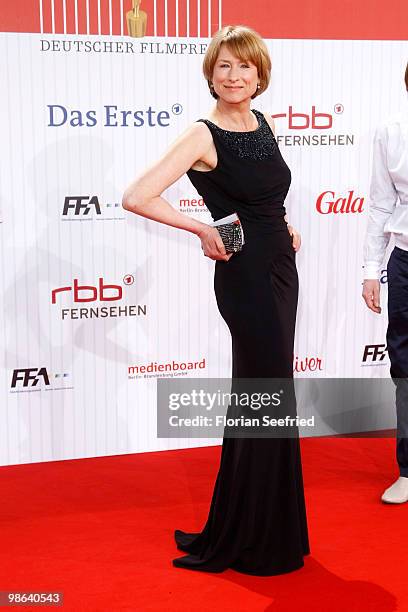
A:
[244,43]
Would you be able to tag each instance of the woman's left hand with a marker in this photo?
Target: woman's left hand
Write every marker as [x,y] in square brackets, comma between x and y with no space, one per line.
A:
[296,238]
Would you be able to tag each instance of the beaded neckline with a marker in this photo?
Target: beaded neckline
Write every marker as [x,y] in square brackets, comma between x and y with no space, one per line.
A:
[258,118]
[255,144]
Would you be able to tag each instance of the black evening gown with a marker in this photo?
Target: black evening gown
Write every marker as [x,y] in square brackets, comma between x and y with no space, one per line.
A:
[257,519]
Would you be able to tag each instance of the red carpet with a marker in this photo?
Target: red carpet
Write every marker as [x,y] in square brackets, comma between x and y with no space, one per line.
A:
[101,531]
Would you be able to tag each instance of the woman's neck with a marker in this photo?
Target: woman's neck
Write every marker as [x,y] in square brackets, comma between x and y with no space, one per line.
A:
[236,117]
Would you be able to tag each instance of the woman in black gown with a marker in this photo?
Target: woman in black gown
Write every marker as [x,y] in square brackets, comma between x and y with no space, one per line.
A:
[257,519]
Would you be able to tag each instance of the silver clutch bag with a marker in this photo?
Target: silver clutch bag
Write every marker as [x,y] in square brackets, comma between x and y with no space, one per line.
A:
[231,232]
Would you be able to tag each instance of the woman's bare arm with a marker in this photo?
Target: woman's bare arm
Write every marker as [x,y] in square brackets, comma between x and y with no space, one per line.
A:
[143,195]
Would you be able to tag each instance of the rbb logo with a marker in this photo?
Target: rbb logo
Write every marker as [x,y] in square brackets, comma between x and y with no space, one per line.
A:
[303,121]
[25,375]
[374,352]
[94,293]
[81,205]
[327,203]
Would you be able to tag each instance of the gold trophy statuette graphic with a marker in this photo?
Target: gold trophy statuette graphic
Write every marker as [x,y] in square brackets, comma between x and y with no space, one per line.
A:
[136,20]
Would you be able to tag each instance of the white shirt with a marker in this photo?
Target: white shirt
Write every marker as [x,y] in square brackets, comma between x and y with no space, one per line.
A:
[389,184]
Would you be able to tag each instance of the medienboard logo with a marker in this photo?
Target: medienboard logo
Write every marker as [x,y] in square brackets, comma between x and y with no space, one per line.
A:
[103,291]
[169,369]
[90,208]
[375,355]
[192,206]
[39,379]
[111,116]
[319,122]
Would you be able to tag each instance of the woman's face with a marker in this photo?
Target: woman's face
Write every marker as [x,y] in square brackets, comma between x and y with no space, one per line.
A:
[234,80]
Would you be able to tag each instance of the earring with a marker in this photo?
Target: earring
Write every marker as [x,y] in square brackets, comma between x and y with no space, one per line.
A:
[258,86]
[211,86]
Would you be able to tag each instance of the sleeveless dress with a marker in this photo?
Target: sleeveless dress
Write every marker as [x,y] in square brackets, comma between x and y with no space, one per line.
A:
[257,518]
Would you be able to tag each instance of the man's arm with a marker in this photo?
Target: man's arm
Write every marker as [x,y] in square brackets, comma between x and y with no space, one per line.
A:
[383,199]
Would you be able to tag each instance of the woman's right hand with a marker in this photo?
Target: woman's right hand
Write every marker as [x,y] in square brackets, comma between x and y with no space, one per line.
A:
[212,244]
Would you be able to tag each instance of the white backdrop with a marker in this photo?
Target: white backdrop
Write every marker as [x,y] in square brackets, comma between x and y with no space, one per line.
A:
[76,386]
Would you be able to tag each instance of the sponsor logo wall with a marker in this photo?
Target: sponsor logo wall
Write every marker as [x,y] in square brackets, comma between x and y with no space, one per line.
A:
[97,304]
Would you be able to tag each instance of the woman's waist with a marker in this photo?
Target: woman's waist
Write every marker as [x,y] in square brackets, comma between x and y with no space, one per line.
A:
[267,216]
[256,223]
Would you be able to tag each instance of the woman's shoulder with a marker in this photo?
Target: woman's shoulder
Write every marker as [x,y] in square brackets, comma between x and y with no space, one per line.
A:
[267,117]
[196,137]
[198,129]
